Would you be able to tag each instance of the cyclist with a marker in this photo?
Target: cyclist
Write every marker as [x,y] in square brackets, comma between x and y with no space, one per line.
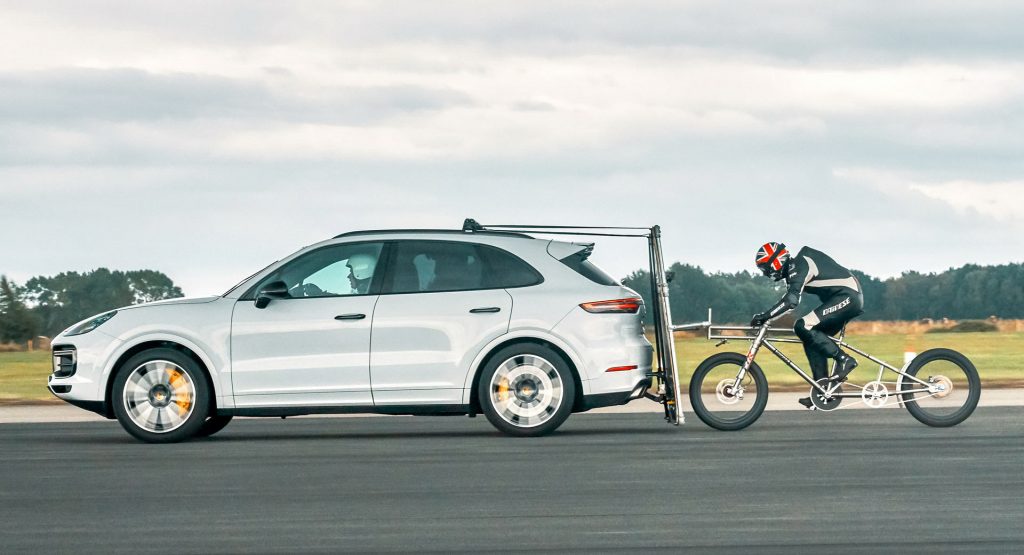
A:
[841,301]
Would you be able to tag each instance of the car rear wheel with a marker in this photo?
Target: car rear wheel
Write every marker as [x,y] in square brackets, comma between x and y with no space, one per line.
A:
[161,396]
[526,390]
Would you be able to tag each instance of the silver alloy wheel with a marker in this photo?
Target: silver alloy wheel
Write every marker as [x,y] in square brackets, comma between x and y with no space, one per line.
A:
[159,396]
[526,390]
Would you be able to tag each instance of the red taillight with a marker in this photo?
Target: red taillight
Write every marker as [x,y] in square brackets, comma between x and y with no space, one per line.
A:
[618,306]
[621,368]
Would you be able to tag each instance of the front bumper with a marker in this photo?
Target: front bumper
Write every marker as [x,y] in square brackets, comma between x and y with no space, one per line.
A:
[86,388]
[63,392]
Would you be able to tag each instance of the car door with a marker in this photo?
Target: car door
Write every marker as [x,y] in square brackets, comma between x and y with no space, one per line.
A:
[312,345]
[434,316]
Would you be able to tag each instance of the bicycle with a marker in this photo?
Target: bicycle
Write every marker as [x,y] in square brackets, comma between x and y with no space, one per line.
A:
[729,391]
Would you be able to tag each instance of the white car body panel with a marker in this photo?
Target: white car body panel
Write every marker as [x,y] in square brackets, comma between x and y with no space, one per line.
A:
[423,343]
[410,349]
[294,352]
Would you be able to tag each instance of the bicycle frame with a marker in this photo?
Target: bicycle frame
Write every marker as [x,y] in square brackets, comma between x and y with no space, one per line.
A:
[761,338]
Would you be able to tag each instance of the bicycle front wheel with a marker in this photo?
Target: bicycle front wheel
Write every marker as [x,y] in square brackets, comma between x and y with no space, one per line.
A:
[950,391]
[715,401]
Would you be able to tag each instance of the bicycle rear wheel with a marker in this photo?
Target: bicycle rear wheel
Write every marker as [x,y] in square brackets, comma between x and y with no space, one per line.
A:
[953,384]
[713,398]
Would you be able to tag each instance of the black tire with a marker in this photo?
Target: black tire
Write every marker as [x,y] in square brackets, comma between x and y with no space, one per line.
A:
[737,420]
[213,425]
[930,415]
[184,370]
[545,377]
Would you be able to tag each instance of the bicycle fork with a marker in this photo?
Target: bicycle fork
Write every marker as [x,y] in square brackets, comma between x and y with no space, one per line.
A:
[755,346]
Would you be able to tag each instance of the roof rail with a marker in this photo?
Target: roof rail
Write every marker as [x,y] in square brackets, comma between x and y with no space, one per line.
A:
[471,225]
[448,231]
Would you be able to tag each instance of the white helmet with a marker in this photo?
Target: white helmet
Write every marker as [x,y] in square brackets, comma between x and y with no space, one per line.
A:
[362,265]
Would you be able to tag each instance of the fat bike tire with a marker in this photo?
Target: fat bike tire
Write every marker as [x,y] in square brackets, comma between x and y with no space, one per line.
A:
[709,416]
[929,417]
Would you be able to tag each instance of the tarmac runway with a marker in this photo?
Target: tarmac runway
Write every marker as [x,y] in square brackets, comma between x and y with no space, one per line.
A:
[849,481]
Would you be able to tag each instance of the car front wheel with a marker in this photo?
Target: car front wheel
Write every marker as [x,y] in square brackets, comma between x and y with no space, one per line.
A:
[161,396]
[526,390]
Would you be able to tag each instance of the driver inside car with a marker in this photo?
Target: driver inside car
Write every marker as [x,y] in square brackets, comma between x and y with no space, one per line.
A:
[841,301]
[330,281]
[360,272]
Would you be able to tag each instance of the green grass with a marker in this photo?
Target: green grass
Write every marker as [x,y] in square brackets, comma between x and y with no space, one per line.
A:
[23,376]
[998,357]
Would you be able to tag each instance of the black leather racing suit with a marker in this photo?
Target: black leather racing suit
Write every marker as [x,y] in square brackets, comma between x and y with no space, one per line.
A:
[842,300]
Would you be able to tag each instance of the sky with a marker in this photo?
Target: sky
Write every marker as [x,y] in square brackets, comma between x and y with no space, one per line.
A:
[206,140]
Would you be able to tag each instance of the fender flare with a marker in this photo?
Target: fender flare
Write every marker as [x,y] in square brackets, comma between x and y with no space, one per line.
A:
[221,389]
[543,335]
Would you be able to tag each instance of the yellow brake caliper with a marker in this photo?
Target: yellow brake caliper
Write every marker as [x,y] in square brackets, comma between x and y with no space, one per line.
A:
[180,387]
[503,389]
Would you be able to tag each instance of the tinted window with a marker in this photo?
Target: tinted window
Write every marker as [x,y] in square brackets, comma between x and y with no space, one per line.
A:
[425,266]
[331,271]
[579,263]
[504,270]
[431,266]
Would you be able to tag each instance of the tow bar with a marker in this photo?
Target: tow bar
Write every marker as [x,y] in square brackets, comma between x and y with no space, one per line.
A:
[668,391]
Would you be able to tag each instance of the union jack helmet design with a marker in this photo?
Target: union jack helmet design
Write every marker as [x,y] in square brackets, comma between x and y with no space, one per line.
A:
[771,259]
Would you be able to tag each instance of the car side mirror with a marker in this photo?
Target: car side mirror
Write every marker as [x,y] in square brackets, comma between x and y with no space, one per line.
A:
[273,290]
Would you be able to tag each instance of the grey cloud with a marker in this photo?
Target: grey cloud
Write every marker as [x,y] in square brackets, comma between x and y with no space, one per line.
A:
[533,106]
[69,95]
[712,217]
[844,29]
[716,194]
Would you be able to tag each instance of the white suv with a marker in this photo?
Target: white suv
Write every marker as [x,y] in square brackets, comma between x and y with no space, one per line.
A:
[524,330]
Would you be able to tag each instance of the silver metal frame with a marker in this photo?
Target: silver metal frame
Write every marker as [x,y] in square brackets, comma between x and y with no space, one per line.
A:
[670,395]
[762,337]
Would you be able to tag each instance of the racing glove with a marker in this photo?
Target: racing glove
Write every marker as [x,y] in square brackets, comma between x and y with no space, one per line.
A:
[759,319]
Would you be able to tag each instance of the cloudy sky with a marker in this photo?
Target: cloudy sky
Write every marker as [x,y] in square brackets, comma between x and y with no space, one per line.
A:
[208,139]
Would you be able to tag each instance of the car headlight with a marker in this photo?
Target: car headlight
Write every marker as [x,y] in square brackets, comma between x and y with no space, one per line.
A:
[89,325]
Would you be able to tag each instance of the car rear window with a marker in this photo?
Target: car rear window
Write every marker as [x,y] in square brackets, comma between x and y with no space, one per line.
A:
[578,263]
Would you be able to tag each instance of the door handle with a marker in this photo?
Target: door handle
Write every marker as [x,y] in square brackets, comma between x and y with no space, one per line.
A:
[350,317]
[485,309]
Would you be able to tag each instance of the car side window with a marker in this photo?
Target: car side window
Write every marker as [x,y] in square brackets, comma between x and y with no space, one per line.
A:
[505,270]
[432,266]
[334,271]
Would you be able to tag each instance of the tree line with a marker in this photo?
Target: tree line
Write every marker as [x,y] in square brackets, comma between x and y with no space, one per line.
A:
[968,292]
[46,305]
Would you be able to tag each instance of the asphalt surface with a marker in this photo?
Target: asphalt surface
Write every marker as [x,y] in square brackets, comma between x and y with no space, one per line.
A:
[853,481]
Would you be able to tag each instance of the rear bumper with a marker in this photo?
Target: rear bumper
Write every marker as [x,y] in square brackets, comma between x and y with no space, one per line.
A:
[613,399]
[614,357]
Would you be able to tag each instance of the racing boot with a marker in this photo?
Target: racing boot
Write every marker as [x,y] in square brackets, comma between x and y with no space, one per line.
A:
[844,365]
[806,401]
